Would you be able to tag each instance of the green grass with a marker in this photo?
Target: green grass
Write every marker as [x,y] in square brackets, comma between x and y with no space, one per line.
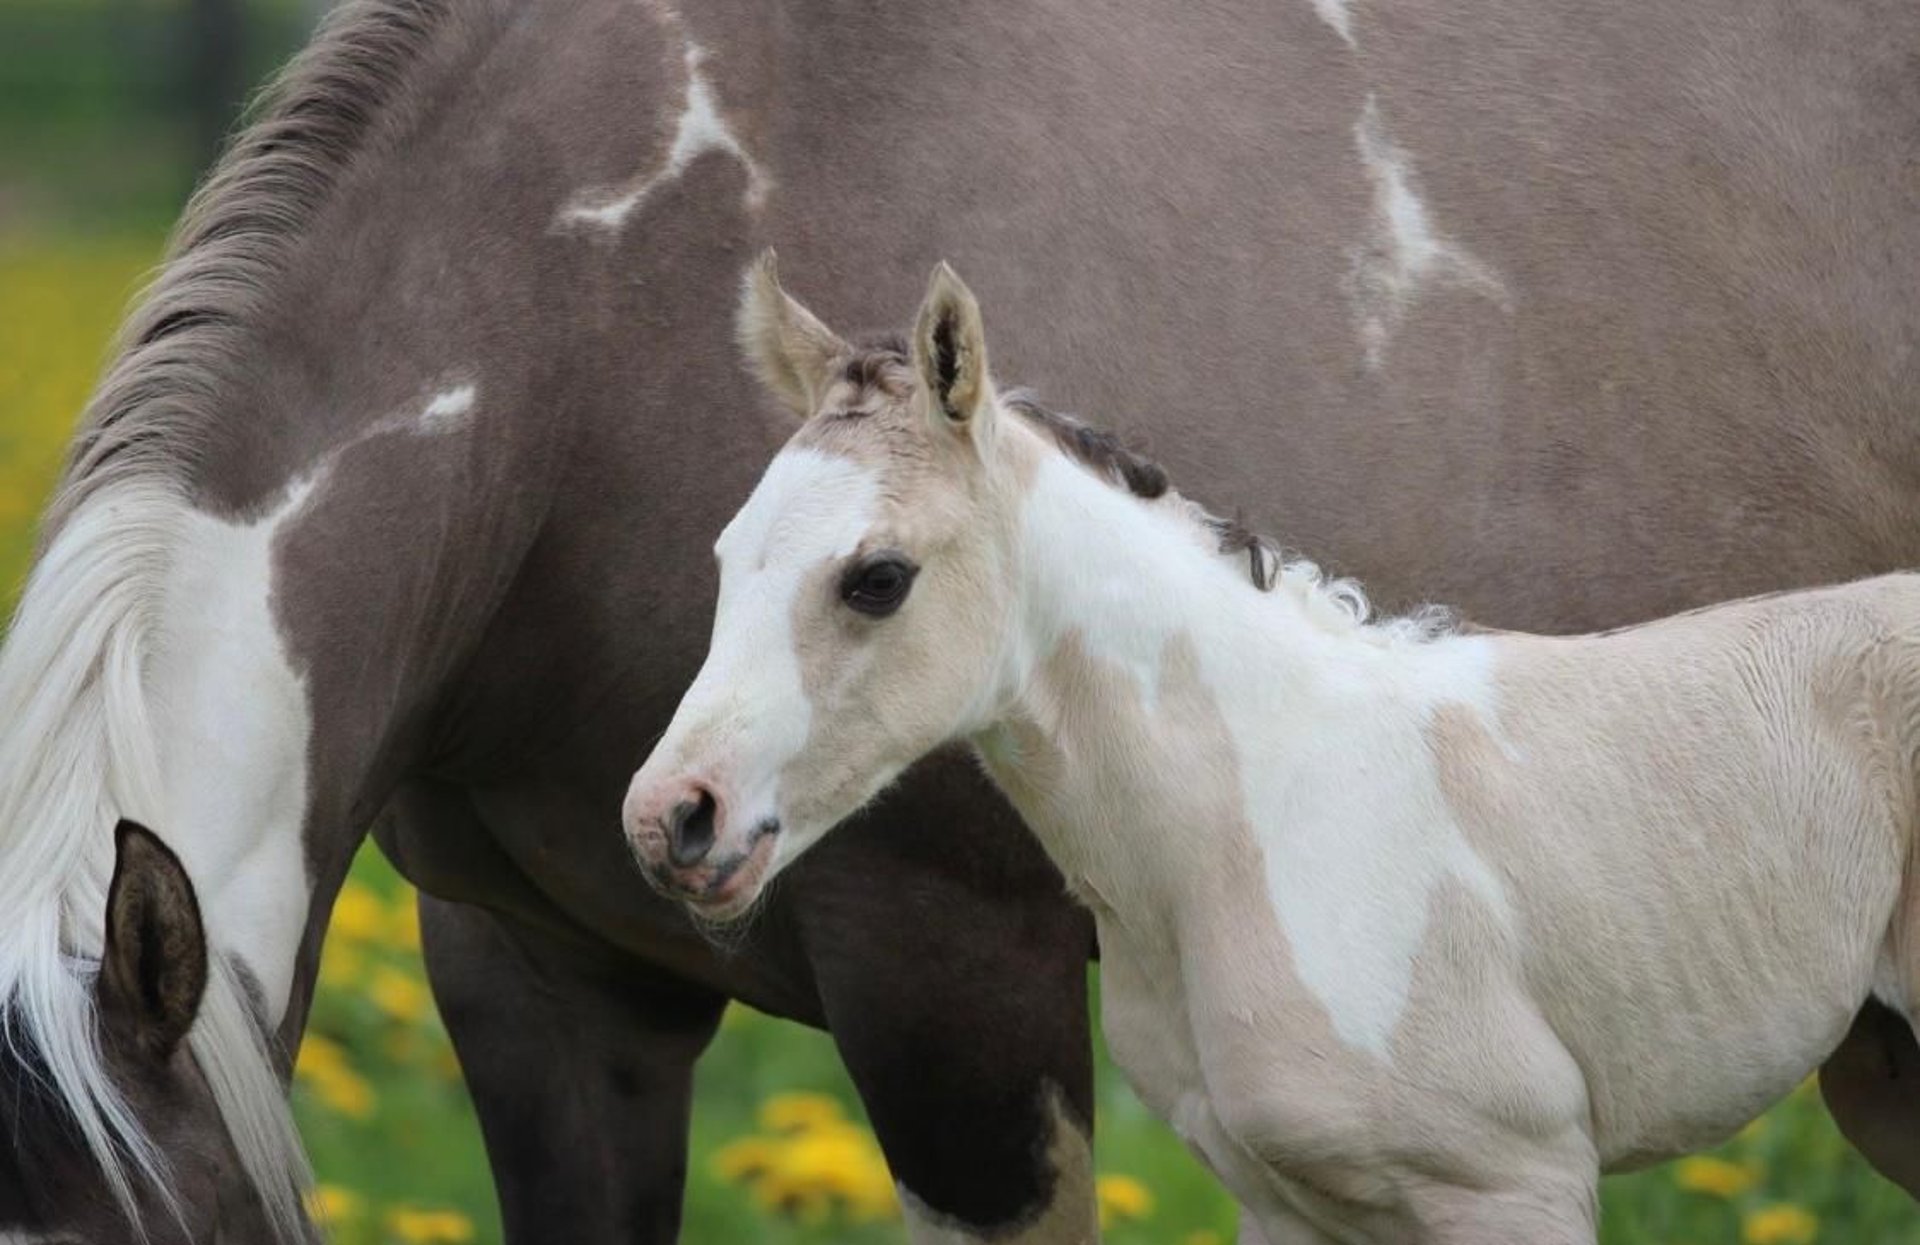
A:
[405,1141]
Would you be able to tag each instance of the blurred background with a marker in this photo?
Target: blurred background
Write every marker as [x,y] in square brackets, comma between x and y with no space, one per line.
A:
[109,111]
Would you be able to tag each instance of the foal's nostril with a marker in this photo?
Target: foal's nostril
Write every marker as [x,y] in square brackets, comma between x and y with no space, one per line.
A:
[690,830]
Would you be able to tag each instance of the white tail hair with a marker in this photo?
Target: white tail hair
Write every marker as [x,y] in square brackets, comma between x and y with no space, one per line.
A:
[77,753]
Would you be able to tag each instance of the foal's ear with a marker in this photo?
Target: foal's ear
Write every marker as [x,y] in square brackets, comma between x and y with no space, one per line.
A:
[154,969]
[950,349]
[791,352]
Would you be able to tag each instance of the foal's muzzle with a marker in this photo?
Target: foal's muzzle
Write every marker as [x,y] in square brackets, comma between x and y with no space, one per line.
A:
[690,829]
[688,845]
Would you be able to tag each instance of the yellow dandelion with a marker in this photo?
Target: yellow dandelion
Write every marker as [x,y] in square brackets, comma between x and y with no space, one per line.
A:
[843,1162]
[805,1203]
[318,1055]
[1780,1224]
[358,914]
[403,923]
[341,965]
[402,1046]
[745,1159]
[1715,1177]
[797,1112]
[429,1227]
[400,996]
[346,1092]
[332,1206]
[323,1068]
[1122,1198]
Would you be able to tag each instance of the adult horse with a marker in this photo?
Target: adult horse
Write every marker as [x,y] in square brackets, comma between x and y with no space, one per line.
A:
[1568,315]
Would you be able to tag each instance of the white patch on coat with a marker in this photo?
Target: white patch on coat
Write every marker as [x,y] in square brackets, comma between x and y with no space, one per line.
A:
[1353,864]
[1407,251]
[84,740]
[808,509]
[448,409]
[232,726]
[701,128]
[1334,13]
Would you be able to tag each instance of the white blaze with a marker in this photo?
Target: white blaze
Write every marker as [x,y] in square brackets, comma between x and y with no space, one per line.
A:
[809,508]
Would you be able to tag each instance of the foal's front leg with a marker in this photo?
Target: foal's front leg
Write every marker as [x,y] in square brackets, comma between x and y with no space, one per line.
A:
[1554,1214]
[1287,1229]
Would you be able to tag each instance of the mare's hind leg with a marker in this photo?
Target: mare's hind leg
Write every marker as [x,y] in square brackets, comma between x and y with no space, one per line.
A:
[582,1080]
[1871,1084]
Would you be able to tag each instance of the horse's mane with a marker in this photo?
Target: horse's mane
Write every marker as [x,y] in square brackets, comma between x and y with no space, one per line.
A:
[76,738]
[187,336]
[1336,601]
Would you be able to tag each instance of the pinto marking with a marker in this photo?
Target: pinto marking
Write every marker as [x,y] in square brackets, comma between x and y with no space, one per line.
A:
[1357,960]
[233,723]
[1407,251]
[448,409]
[702,127]
[1334,13]
[235,719]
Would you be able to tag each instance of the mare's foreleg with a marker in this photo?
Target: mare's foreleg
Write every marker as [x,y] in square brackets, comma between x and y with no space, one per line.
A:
[1871,1084]
[583,1079]
[969,1045]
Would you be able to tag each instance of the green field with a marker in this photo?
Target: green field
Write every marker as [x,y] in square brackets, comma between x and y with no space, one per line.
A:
[780,1151]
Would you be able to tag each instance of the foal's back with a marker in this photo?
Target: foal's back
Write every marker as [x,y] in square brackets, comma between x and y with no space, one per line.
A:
[1705,822]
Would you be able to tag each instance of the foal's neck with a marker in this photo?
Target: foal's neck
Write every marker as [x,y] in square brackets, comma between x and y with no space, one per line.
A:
[1153,672]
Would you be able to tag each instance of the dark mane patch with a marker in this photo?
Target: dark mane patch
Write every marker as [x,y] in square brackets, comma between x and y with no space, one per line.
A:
[1235,537]
[879,364]
[1098,449]
[881,367]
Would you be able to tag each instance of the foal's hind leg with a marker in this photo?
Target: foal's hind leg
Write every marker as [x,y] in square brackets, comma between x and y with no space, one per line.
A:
[1871,1084]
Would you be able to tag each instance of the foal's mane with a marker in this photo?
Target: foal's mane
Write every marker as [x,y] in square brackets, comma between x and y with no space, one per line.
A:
[881,365]
[77,747]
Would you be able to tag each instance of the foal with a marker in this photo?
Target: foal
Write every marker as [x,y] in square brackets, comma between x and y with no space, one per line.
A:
[1410,934]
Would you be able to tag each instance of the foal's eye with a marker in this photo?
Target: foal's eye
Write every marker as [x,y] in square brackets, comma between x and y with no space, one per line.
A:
[877,586]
